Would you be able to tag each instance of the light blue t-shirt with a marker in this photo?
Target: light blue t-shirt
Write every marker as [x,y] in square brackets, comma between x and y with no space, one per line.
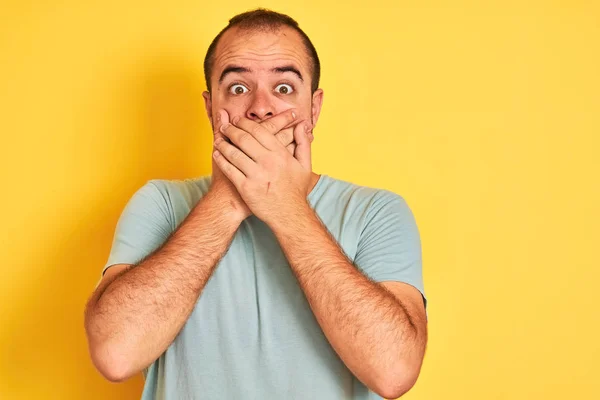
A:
[252,334]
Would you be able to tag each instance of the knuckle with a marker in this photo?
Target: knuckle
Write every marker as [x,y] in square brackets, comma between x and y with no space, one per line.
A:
[245,137]
[269,125]
[272,163]
[255,130]
[245,186]
[267,163]
[223,166]
[234,154]
[281,137]
[285,137]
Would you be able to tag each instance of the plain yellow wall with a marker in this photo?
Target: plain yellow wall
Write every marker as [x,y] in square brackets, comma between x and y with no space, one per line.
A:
[483,115]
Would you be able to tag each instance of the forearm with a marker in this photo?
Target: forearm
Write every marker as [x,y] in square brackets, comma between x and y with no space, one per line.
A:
[140,313]
[367,326]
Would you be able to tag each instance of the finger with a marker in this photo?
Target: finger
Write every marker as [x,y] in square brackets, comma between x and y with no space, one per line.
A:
[281,121]
[217,136]
[236,157]
[285,136]
[243,141]
[231,172]
[264,132]
[291,148]
[222,119]
[303,150]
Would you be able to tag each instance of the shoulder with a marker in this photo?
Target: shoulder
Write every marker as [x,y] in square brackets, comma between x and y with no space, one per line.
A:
[368,199]
[183,187]
[175,198]
[173,191]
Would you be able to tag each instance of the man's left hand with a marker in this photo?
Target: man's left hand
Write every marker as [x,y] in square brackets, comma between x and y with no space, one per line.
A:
[273,183]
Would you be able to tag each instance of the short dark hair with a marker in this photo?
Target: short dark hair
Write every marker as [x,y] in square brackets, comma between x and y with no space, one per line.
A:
[262,19]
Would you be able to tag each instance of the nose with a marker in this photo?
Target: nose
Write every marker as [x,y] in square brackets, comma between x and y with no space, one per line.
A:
[261,106]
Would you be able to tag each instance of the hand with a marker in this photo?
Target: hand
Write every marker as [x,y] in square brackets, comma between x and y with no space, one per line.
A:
[221,184]
[271,182]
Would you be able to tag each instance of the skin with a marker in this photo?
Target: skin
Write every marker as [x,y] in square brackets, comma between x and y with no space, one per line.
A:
[136,311]
[261,166]
[378,329]
[262,96]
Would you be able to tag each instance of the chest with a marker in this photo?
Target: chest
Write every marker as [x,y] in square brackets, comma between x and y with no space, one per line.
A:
[253,289]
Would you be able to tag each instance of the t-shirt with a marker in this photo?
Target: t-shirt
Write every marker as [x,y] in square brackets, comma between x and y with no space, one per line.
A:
[252,333]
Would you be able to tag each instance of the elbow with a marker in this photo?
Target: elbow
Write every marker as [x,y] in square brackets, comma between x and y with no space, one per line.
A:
[393,390]
[395,384]
[111,363]
[107,356]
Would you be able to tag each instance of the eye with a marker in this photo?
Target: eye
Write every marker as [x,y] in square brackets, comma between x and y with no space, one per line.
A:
[238,89]
[284,88]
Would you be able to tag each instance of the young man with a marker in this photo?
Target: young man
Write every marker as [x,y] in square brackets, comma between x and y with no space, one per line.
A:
[264,280]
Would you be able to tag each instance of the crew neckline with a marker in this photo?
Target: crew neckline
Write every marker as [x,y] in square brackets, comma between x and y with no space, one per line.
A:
[317,189]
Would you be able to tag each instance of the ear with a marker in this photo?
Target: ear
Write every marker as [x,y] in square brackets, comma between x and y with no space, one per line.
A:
[317,103]
[208,107]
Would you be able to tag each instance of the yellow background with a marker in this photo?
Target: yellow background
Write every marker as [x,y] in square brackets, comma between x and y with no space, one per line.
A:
[483,115]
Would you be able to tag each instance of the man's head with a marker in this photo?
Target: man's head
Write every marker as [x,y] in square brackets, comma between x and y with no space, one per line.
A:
[260,65]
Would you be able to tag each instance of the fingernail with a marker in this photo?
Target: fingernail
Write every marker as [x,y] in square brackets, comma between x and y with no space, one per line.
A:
[293,114]
[223,128]
[235,119]
[218,141]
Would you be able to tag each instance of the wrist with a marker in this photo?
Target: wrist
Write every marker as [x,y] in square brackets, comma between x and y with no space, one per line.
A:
[291,220]
[222,207]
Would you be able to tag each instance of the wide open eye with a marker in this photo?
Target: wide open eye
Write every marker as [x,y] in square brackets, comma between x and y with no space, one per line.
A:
[238,88]
[284,88]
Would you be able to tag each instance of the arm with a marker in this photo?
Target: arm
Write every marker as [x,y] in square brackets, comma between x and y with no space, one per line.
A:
[380,337]
[132,320]
[379,330]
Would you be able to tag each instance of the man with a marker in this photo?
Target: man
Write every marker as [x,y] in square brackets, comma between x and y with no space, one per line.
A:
[264,280]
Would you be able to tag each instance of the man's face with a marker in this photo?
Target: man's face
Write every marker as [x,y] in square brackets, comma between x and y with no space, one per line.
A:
[260,74]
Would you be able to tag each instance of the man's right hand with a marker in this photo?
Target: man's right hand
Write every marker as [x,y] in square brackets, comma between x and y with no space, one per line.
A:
[281,125]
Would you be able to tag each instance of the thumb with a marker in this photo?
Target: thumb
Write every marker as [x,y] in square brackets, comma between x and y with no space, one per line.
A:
[303,150]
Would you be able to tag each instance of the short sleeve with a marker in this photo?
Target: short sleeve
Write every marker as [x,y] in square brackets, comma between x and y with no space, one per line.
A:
[144,225]
[389,246]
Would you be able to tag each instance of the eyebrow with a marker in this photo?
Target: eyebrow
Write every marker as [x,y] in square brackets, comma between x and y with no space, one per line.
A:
[240,70]
[288,68]
[232,69]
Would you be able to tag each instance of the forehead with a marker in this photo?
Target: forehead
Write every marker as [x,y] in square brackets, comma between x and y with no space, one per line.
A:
[262,49]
